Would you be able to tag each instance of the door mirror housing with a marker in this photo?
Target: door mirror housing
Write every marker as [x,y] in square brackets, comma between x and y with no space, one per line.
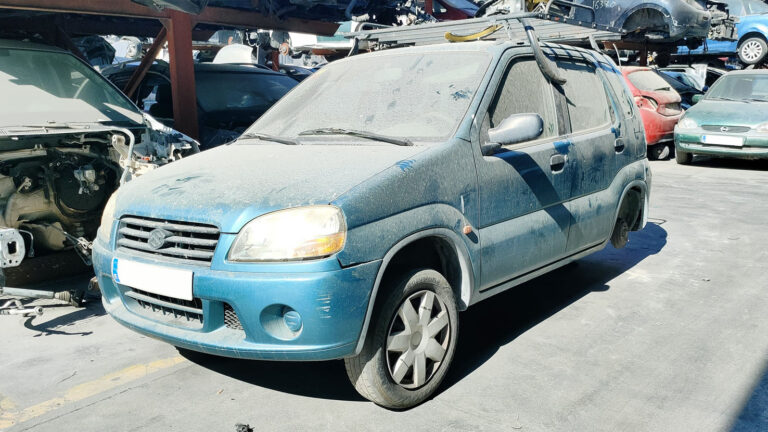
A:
[517,128]
[696,98]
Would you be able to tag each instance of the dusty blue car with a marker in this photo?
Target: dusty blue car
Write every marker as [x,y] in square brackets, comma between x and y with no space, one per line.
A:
[380,197]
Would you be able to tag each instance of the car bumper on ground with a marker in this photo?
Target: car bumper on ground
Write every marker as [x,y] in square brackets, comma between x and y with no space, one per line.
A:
[329,304]
[755,145]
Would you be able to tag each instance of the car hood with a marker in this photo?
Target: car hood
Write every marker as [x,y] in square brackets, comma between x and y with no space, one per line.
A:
[719,112]
[230,185]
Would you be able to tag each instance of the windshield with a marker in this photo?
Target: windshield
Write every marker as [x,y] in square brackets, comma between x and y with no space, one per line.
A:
[217,91]
[740,87]
[43,87]
[421,96]
[648,80]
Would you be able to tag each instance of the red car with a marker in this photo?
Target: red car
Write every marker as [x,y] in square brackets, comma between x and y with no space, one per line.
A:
[659,107]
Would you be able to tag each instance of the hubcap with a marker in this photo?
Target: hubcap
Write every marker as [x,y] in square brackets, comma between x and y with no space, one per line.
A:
[417,339]
[751,50]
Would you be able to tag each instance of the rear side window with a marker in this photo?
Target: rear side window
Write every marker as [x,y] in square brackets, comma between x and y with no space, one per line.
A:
[523,89]
[647,80]
[585,96]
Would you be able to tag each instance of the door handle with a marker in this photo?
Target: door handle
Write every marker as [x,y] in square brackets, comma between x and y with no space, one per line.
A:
[618,145]
[557,162]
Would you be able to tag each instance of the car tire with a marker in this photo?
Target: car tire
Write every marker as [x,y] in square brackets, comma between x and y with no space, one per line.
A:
[683,158]
[380,372]
[658,152]
[752,50]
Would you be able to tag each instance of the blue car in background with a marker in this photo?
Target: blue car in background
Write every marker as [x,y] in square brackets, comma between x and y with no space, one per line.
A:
[752,30]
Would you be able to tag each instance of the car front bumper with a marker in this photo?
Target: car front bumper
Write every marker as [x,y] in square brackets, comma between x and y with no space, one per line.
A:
[330,300]
[690,140]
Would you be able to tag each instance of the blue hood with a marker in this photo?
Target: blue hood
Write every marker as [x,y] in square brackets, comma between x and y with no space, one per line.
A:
[230,185]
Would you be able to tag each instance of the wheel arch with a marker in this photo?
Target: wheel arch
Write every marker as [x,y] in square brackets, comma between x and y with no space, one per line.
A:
[635,187]
[752,33]
[622,21]
[453,257]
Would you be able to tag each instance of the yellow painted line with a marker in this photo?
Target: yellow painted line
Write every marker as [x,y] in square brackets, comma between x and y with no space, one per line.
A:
[9,416]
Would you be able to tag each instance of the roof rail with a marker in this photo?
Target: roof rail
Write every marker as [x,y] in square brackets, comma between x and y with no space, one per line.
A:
[531,26]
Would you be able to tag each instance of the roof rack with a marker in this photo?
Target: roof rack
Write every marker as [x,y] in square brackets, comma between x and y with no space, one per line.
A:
[549,28]
[511,26]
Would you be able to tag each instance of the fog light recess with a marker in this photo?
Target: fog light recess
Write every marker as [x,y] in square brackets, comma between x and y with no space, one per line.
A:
[281,322]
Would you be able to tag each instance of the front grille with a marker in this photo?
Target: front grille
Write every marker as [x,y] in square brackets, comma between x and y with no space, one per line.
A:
[731,129]
[189,312]
[182,241]
[230,318]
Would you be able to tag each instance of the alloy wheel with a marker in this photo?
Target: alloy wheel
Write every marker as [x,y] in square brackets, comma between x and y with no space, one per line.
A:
[418,339]
[752,50]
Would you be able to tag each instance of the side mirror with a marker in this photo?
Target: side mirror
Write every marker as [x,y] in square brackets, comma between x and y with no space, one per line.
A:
[514,129]
[705,89]
[696,98]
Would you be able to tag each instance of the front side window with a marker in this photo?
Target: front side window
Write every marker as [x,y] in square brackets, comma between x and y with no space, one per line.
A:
[47,86]
[523,89]
[585,96]
[420,96]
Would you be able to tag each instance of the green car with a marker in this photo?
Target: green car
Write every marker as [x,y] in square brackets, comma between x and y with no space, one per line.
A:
[731,120]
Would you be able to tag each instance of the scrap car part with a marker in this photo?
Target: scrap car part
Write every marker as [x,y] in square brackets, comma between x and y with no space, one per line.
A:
[16,307]
[12,249]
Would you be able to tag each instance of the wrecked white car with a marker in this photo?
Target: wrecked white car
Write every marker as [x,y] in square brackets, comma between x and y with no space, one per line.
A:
[68,139]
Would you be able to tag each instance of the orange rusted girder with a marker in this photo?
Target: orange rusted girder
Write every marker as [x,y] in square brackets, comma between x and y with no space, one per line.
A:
[146,63]
[226,17]
[182,72]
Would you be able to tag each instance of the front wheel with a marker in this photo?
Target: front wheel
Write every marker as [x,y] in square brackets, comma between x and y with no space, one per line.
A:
[752,50]
[683,158]
[410,344]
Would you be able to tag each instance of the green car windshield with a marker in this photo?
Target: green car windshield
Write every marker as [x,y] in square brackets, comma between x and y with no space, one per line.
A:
[419,96]
[752,87]
[47,87]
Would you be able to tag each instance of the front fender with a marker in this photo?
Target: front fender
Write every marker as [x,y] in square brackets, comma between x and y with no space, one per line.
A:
[468,271]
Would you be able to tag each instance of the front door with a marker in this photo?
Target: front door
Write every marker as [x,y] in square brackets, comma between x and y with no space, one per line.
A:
[523,188]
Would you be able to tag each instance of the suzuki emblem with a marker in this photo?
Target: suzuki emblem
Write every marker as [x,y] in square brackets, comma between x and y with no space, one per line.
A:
[157,238]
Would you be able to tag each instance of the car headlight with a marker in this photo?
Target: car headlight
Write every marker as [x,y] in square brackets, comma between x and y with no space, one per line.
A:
[687,123]
[292,234]
[107,218]
[762,127]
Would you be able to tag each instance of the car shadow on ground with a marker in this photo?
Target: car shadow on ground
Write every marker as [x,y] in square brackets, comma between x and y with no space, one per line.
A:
[485,327]
[754,412]
[738,164]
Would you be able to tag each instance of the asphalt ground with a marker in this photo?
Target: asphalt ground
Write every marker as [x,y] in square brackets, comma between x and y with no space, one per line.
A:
[668,334]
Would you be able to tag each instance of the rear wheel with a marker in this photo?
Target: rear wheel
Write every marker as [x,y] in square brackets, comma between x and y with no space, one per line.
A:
[658,152]
[683,158]
[410,344]
[752,50]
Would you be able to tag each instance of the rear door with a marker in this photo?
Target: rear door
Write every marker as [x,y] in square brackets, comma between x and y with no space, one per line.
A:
[597,136]
[523,188]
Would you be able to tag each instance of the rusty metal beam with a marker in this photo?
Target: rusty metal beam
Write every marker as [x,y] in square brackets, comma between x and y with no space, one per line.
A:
[63,40]
[146,62]
[225,17]
[182,73]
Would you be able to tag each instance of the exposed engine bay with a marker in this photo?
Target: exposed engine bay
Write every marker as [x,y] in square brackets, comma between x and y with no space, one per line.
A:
[54,185]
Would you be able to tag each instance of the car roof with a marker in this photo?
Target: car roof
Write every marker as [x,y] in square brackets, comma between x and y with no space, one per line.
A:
[17,44]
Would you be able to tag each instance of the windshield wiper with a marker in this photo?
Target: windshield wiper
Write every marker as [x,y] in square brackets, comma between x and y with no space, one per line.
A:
[757,100]
[358,133]
[662,88]
[266,137]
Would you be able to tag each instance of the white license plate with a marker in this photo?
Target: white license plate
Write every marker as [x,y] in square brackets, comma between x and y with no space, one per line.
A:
[723,140]
[169,282]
